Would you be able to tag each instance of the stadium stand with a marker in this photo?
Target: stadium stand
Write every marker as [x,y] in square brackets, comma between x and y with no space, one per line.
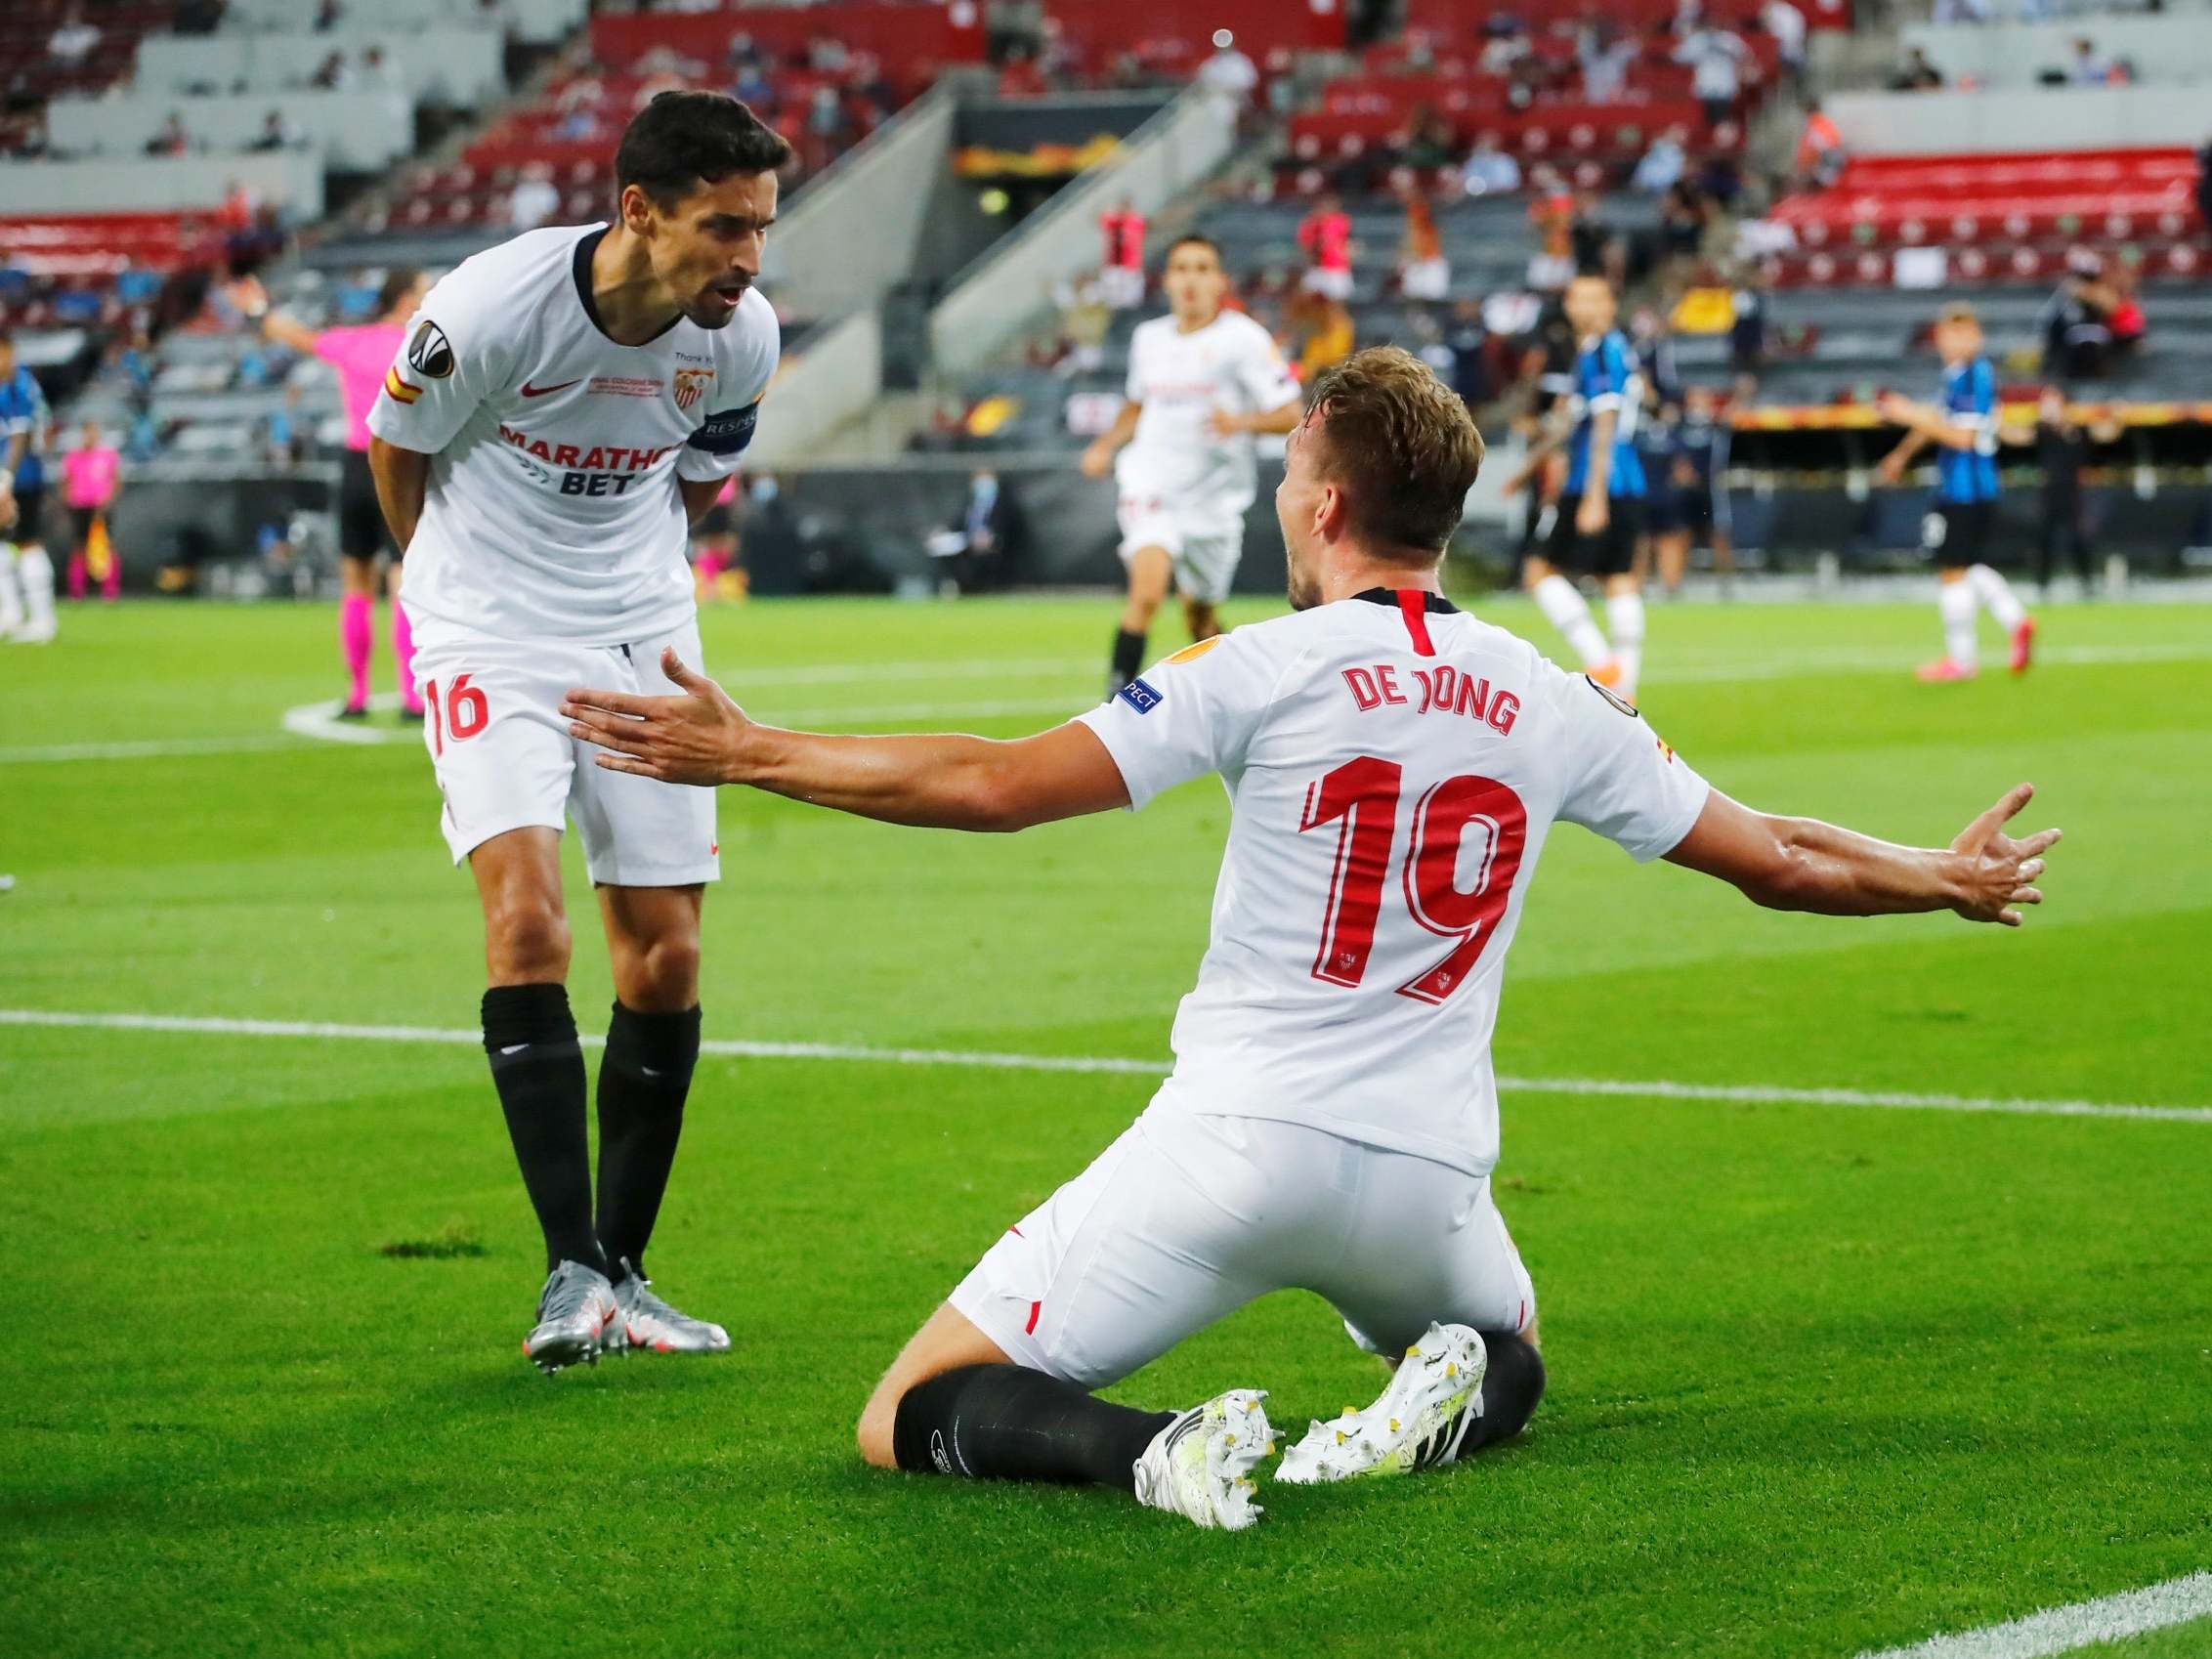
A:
[1496,152]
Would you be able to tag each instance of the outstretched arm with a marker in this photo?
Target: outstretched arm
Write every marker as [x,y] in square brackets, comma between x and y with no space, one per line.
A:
[1799,864]
[939,783]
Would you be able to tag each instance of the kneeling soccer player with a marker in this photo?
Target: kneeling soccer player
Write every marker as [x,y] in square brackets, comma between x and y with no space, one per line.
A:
[1394,767]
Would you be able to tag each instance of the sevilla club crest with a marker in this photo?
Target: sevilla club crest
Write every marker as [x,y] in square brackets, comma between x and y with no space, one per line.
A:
[691,385]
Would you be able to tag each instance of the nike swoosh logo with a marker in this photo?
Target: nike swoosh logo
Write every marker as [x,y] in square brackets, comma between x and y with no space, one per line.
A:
[530,391]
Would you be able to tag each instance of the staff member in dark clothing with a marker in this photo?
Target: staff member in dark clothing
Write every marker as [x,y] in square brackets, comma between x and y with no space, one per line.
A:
[2062,449]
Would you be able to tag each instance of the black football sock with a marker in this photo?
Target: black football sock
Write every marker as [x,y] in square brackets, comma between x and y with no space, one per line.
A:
[1128,660]
[1008,1422]
[1510,1388]
[537,1067]
[643,1078]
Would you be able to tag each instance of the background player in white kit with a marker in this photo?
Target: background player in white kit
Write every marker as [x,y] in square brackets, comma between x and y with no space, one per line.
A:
[1394,767]
[1202,381]
[565,406]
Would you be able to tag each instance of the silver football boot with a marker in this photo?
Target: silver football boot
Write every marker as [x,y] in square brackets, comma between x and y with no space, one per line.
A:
[648,1322]
[577,1318]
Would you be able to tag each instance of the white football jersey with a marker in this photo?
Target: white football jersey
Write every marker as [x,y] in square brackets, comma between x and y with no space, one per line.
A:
[1393,767]
[1180,379]
[552,510]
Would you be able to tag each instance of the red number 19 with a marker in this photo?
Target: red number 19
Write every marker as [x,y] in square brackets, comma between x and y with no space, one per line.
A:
[1362,797]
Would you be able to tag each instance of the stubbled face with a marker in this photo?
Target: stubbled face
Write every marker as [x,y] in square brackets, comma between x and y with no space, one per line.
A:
[1302,500]
[706,247]
[1590,306]
[1958,342]
[1194,282]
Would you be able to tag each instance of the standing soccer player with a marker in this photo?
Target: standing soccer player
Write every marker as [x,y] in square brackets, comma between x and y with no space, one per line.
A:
[1963,426]
[565,405]
[1602,512]
[1394,768]
[360,356]
[24,424]
[1202,381]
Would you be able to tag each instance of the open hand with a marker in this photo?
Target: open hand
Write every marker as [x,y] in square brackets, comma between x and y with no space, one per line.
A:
[693,737]
[1895,408]
[1999,873]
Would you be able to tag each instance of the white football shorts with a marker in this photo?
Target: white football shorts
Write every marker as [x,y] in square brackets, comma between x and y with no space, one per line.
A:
[505,760]
[1205,542]
[1329,283]
[1189,1215]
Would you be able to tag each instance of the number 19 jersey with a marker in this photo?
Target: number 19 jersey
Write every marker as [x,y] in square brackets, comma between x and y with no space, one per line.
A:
[1393,769]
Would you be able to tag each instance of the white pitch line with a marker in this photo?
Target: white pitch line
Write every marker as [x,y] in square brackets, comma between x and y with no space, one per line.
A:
[2062,1630]
[1121,1065]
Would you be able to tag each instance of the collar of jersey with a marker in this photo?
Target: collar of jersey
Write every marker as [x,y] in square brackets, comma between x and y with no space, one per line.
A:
[581,268]
[1435,604]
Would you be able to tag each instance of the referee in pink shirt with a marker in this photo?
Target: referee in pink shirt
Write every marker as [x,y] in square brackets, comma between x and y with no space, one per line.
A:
[360,354]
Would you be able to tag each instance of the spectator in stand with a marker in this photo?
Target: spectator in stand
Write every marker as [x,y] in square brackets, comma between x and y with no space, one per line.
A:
[89,475]
[534,198]
[1022,76]
[1605,54]
[328,15]
[380,73]
[1820,154]
[1326,236]
[1786,23]
[1228,72]
[981,546]
[73,40]
[1086,319]
[1428,142]
[1507,46]
[1917,74]
[170,138]
[1323,326]
[277,132]
[1489,170]
[1553,213]
[2204,184]
[1662,165]
[1424,273]
[1121,273]
[332,75]
[2089,67]
[1716,57]
[2126,319]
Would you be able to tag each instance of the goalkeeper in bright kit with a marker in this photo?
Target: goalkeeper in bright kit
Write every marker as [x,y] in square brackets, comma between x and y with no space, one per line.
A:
[1394,768]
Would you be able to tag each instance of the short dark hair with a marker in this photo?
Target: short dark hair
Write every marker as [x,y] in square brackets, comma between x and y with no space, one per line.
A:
[682,140]
[1401,442]
[1198,238]
[398,282]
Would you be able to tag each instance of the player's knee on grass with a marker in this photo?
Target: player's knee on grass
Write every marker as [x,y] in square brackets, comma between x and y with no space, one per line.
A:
[1510,1388]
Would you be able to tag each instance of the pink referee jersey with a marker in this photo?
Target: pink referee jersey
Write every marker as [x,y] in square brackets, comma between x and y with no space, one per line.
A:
[360,356]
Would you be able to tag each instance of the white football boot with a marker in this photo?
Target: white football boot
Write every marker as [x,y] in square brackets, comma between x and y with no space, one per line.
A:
[1419,1422]
[576,1319]
[1200,1466]
[648,1322]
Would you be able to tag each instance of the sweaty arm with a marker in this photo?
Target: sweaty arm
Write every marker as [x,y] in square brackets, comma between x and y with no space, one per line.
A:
[940,783]
[1800,863]
[1630,788]
[401,476]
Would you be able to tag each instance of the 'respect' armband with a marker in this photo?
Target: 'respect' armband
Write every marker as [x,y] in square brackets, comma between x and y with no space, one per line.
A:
[726,432]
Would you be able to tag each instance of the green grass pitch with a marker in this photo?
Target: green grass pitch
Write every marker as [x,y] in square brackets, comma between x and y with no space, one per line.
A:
[1823,1379]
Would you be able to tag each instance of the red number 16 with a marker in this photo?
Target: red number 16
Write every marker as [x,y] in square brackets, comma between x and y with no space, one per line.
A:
[463,715]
